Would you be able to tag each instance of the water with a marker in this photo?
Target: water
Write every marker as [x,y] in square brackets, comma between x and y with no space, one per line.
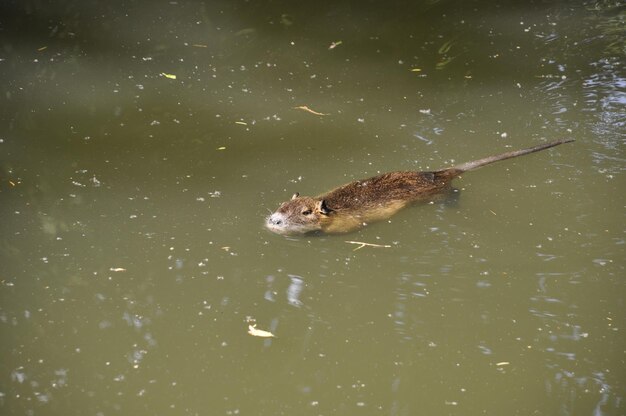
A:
[132,249]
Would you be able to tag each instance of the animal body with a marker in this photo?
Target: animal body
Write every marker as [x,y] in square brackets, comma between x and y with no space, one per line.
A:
[358,203]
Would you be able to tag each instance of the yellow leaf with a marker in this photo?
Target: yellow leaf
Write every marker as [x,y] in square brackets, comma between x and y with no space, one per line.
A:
[221,148]
[259,332]
[170,76]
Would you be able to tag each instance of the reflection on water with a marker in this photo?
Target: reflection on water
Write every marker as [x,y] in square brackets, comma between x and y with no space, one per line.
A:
[605,98]
[140,146]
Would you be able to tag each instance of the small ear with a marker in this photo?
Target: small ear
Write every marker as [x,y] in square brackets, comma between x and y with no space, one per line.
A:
[294,196]
[322,207]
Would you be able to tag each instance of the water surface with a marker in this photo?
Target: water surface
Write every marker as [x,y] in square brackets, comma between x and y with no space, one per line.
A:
[141,147]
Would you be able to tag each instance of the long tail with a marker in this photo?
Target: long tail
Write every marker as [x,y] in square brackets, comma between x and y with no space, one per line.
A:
[464,167]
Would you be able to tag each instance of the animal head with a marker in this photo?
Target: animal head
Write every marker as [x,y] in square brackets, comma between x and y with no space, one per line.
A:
[299,215]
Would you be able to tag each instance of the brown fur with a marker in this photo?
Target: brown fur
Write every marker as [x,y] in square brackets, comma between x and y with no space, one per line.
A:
[357,203]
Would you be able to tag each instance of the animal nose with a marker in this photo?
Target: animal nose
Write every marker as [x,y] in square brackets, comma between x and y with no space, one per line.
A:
[275,219]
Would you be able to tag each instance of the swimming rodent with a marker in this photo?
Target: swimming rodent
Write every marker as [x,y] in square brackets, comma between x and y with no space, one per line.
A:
[358,203]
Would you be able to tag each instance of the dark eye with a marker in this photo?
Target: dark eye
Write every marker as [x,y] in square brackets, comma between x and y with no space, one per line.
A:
[307,212]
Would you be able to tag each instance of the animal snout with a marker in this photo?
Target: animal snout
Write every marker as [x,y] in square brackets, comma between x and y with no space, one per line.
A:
[275,219]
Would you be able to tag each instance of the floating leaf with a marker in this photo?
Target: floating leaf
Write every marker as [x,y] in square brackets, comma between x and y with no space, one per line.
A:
[333,45]
[259,332]
[169,76]
[308,110]
[444,62]
[445,48]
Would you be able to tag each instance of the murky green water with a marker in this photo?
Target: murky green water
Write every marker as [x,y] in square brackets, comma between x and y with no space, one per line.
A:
[132,251]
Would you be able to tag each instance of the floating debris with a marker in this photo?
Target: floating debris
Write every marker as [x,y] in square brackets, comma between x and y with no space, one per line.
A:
[362,244]
[259,332]
[169,76]
[333,45]
[441,64]
[445,48]
[307,109]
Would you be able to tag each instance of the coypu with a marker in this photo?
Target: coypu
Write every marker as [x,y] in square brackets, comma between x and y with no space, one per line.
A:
[357,203]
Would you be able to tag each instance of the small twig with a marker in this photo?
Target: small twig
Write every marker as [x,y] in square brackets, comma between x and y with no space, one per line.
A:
[362,244]
[307,109]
